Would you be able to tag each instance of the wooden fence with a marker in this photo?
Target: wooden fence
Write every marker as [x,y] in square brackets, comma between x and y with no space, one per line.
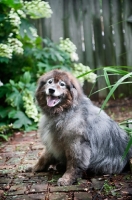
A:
[100,29]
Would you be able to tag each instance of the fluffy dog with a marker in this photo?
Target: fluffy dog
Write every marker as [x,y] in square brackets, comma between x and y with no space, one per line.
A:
[75,132]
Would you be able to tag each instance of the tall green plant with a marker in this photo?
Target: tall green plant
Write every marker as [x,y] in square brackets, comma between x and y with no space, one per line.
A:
[125,75]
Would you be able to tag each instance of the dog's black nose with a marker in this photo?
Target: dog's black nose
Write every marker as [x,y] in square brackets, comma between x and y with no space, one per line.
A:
[51,91]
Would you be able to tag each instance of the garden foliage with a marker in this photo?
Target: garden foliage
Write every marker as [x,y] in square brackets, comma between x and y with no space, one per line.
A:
[24,56]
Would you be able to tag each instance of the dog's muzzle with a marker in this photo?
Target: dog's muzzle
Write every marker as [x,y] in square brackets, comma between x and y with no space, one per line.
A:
[52,99]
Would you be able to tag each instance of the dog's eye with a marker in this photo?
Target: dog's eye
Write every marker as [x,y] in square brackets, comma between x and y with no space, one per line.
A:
[62,84]
[50,81]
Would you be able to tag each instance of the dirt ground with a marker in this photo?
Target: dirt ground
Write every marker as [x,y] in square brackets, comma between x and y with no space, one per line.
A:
[23,149]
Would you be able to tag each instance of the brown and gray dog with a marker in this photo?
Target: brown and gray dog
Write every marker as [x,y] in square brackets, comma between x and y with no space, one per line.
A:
[75,132]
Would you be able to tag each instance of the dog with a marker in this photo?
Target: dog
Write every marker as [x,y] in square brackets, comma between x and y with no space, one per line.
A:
[75,132]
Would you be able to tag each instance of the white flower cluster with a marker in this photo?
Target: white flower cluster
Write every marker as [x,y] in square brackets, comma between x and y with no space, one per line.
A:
[1,84]
[21,13]
[80,69]
[5,51]
[15,45]
[14,18]
[67,46]
[37,9]
[30,108]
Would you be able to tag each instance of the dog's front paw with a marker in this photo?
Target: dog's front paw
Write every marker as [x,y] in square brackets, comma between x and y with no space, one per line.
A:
[28,169]
[65,182]
[34,169]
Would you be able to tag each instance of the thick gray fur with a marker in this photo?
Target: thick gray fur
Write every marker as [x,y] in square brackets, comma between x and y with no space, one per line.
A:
[76,133]
[95,141]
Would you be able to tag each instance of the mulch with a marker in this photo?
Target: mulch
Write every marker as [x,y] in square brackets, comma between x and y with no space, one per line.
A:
[23,150]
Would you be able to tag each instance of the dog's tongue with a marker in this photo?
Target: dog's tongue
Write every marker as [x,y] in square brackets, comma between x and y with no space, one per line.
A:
[52,101]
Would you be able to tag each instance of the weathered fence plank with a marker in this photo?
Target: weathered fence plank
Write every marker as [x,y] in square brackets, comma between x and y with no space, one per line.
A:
[88,33]
[127,12]
[73,24]
[117,25]
[99,52]
[57,29]
[108,40]
[100,29]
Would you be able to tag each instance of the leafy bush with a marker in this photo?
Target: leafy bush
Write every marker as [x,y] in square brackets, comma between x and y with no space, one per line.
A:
[18,36]
[15,108]
[17,96]
[24,56]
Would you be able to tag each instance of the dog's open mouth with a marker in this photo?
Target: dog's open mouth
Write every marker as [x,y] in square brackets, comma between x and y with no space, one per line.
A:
[53,100]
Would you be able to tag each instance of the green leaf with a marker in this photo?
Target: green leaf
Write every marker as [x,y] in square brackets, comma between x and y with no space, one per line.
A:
[12,114]
[4,111]
[3,90]
[21,85]
[22,120]
[91,93]
[4,60]
[116,70]
[15,98]
[31,127]
[107,79]
[26,25]
[26,78]
[5,137]
[127,148]
[12,3]
[114,88]
[41,65]
[12,82]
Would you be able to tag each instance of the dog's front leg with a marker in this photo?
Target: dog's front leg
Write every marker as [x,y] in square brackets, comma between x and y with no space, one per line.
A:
[73,171]
[70,176]
[78,159]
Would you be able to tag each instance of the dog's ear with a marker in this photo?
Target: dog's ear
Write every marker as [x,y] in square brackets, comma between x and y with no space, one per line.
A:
[74,92]
[75,89]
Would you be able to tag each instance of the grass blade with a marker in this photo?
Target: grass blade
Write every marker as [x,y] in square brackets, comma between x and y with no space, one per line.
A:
[114,88]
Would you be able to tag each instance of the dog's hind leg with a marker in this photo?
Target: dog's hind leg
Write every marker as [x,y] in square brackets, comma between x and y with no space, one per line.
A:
[43,163]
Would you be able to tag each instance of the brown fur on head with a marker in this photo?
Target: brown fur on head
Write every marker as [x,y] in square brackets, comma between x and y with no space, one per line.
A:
[57,91]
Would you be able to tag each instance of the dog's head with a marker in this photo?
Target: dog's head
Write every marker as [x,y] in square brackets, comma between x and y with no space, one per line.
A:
[57,90]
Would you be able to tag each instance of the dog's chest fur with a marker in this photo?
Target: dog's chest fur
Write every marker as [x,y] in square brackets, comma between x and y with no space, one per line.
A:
[84,129]
[57,133]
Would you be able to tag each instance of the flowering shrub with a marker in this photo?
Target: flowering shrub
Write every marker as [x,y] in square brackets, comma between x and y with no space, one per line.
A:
[30,108]
[13,19]
[15,45]
[77,68]
[23,60]
[67,46]
[88,75]
[37,9]
[18,107]
[5,51]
